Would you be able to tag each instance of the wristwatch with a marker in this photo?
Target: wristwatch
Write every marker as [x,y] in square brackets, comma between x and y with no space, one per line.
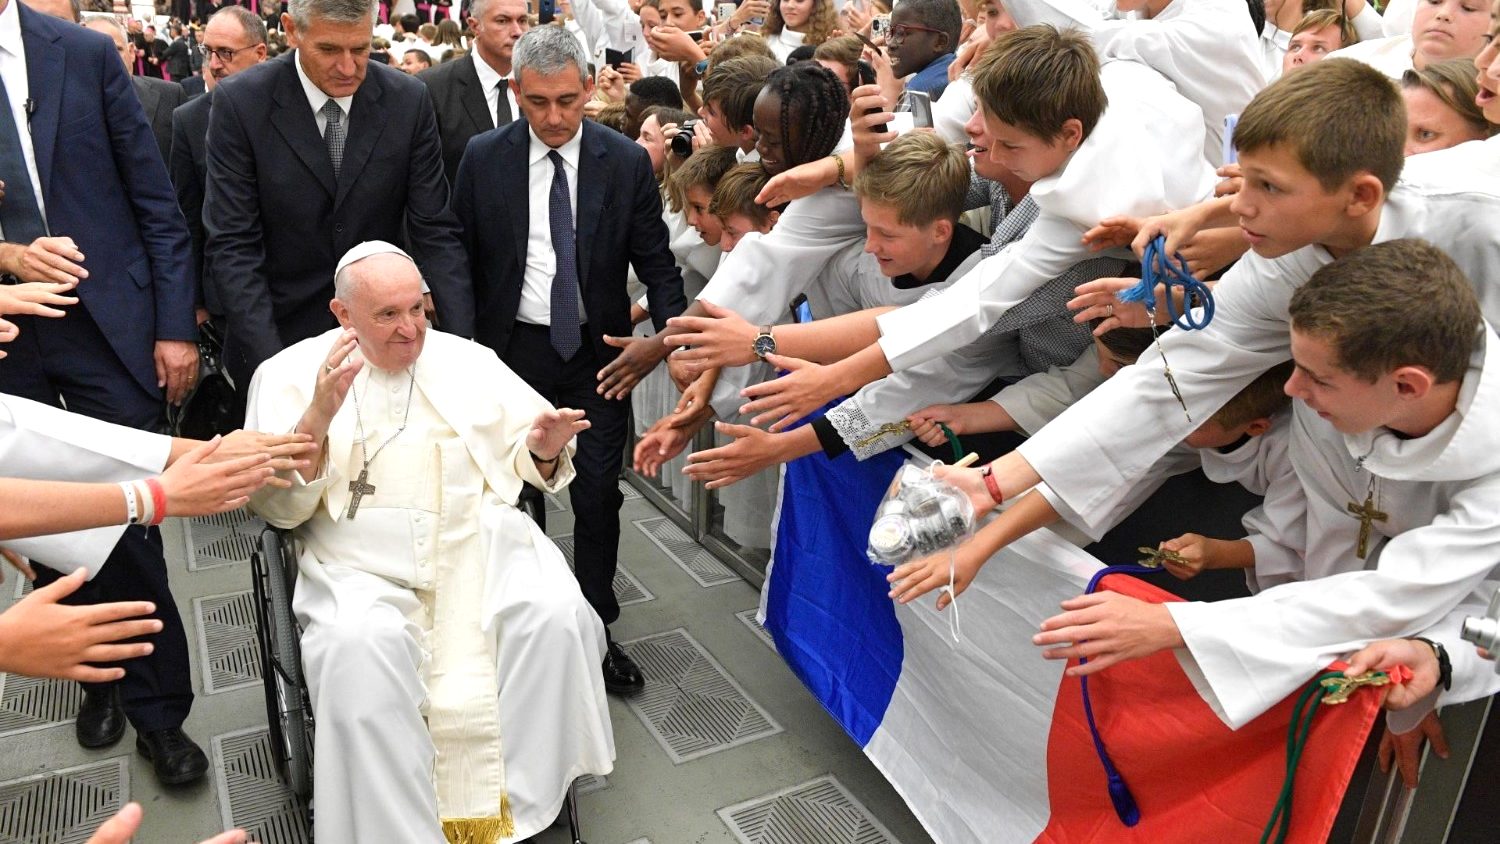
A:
[764,343]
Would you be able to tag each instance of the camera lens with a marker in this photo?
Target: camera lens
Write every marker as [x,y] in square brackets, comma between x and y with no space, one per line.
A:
[682,142]
[1483,632]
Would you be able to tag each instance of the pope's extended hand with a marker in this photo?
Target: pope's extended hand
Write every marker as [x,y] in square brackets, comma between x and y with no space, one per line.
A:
[552,430]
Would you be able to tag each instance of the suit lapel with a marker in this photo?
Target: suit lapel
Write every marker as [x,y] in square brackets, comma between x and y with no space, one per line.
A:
[516,188]
[366,123]
[293,118]
[472,95]
[45,67]
[593,184]
[150,97]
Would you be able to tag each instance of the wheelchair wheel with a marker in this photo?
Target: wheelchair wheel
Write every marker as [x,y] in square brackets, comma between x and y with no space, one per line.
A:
[288,707]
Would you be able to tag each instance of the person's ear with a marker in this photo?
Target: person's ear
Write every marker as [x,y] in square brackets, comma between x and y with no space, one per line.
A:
[340,312]
[1258,427]
[771,217]
[942,231]
[1071,135]
[290,28]
[1366,194]
[747,134]
[1413,382]
[588,86]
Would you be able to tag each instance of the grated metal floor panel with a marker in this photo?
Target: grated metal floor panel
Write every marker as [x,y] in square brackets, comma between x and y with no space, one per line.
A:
[628,589]
[819,811]
[628,490]
[747,618]
[554,504]
[34,703]
[686,553]
[63,807]
[590,783]
[691,705]
[251,793]
[221,539]
[226,641]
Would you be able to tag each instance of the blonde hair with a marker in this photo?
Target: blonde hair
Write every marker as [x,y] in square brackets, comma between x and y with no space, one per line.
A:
[704,168]
[736,192]
[1339,117]
[1320,18]
[923,177]
[1039,78]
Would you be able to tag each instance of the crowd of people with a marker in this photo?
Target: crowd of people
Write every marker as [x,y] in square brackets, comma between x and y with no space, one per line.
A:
[464,255]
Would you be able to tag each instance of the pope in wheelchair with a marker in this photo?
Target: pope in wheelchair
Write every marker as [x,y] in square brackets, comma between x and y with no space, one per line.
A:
[452,661]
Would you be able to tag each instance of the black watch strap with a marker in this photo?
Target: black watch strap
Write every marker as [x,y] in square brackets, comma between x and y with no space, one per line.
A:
[1445,666]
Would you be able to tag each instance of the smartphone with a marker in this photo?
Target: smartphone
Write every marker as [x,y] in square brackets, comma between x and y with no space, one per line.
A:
[1231,155]
[880,25]
[546,11]
[696,35]
[725,11]
[615,58]
[919,103]
[801,310]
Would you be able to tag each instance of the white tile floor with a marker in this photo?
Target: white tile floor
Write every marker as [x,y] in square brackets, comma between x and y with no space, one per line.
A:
[726,746]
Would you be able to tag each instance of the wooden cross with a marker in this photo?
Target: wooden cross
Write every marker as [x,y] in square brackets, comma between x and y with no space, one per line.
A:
[361,486]
[1367,515]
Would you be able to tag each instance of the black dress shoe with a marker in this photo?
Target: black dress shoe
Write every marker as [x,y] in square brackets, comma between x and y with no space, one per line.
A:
[621,675]
[175,757]
[101,720]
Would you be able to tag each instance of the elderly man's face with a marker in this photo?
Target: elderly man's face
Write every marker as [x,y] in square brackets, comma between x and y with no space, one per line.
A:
[334,54]
[384,308]
[224,36]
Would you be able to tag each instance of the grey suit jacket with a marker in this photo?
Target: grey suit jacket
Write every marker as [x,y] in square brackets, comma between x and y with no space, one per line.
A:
[159,98]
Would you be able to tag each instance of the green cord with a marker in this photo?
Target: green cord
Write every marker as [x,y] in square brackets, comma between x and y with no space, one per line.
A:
[1296,741]
[958,449]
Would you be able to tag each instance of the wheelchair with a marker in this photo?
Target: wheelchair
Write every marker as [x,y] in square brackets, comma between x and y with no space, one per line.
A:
[289,713]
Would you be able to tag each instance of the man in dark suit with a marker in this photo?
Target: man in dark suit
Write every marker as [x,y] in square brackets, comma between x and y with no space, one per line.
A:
[87,197]
[235,40]
[158,97]
[555,209]
[176,58]
[313,153]
[473,94]
[152,48]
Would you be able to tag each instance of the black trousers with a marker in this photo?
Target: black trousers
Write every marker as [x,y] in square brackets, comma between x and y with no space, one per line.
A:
[69,361]
[595,492]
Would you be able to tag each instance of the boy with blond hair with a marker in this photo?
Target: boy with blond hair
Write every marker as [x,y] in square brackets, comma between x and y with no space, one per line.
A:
[735,206]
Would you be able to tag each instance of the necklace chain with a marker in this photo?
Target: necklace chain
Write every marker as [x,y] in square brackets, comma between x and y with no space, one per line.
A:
[364,454]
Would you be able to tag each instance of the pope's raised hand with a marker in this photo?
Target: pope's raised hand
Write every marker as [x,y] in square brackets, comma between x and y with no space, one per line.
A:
[336,375]
[552,430]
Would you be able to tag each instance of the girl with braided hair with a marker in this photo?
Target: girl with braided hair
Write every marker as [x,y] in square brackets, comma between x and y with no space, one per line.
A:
[799,116]
[793,23]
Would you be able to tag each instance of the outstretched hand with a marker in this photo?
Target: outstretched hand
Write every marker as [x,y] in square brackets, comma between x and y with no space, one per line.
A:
[38,298]
[1106,628]
[640,356]
[196,485]
[119,828]
[911,580]
[44,637]
[751,451]
[783,401]
[1389,653]
[1405,749]
[1100,299]
[723,338]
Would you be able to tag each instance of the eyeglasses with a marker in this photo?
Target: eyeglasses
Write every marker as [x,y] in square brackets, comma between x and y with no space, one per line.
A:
[901,31]
[226,54]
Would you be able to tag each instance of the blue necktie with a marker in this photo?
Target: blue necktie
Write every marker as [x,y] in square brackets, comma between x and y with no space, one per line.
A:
[566,336]
[20,216]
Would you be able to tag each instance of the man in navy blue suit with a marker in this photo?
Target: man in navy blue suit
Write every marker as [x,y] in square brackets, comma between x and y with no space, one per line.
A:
[87,197]
[554,210]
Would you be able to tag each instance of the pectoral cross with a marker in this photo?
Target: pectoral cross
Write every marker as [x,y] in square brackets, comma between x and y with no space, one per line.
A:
[361,486]
[1367,515]
[1340,688]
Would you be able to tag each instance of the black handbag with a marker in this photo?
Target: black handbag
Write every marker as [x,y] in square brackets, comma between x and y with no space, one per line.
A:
[211,407]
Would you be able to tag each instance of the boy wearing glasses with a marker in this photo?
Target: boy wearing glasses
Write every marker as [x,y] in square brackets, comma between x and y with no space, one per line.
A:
[923,35]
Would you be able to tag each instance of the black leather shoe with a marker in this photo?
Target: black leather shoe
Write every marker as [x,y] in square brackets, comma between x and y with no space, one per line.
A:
[621,675]
[101,720]
[176,758]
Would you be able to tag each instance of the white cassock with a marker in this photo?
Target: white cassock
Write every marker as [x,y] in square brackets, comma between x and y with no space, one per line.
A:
[1391,56]
[43,443]
[1098,449]
[1136,161]
[452,660]
[1207,48]
[1440,497]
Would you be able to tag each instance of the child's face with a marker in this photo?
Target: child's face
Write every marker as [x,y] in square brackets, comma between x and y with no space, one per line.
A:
[650,18]
[1448,29]
[655,144]
[1312,45]
[1349,403]
[796,13]
[682,14]
[768,141]
[980,140]
[1030,157]
[1282,207]
[736,226]
[898,248]
[723,135]
[707,225]
[1431,125]
[996,19]
[1488,62]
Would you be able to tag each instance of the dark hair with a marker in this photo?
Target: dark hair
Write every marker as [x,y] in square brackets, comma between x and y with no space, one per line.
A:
[941,15]
[734,84]
[815,98]
[1261,399]
[409,24]
[1127,343]
[1393,304]
[801,54]
[656,90]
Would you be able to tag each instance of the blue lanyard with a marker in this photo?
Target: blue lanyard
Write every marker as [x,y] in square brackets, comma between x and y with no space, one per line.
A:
[1159,267]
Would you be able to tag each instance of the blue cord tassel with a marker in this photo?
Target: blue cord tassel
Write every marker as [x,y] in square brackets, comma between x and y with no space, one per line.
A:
[1159,267]
[1119,793]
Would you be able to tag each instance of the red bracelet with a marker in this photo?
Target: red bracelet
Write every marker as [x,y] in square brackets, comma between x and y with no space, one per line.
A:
[158,499]
[988,472]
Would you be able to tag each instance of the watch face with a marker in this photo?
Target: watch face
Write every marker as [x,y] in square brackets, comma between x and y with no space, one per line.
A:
[765,344]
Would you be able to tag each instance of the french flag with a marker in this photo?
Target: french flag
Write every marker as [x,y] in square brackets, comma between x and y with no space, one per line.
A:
[985,740]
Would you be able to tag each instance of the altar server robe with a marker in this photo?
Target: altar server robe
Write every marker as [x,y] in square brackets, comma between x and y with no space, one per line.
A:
[541,644]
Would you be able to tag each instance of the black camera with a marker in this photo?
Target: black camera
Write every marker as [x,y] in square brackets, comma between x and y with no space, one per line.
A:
[682,142]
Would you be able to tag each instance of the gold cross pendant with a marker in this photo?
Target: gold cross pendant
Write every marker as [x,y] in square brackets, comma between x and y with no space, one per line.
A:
[1154,557]
[1367,515]
[358,489]
[1340,688]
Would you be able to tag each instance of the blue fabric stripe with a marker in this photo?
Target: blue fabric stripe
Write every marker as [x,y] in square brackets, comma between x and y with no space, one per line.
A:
[826,607]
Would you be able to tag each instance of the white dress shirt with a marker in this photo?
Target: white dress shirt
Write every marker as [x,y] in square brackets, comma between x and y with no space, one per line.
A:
[489,81]
[18,90]
[316,98]
[541,258]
